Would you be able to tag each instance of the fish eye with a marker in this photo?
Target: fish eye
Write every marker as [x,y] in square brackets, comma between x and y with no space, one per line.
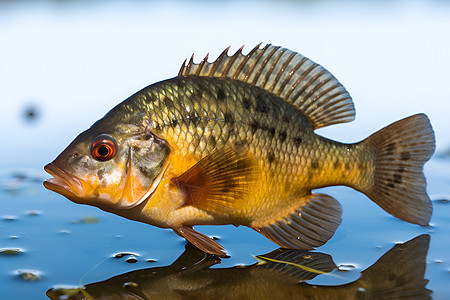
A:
[103,147]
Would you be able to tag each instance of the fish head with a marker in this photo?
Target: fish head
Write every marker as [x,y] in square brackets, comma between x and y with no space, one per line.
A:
[111,169]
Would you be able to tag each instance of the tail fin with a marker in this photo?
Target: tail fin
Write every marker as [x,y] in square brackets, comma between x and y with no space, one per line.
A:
[399,186]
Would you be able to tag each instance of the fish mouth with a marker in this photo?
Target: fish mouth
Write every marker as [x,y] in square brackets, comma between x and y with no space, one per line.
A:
[63,183]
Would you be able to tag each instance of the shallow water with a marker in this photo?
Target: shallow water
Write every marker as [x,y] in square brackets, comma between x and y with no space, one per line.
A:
[64,66]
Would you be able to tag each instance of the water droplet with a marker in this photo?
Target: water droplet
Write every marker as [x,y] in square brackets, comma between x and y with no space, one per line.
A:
[9,218]
[346,267]
[64,231]
[86,220]
[123,254]
[33,212]
[29,275]
[442,201]
[132,260]
[130,284]
[10,251]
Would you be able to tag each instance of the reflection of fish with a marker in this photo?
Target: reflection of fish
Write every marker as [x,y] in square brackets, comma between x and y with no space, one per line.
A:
[399,274]
[233,142]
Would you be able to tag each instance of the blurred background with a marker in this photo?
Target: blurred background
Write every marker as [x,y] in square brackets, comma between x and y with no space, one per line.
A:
[64,64]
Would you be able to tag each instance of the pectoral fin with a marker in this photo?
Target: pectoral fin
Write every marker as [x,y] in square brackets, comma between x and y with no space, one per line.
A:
[309,226]
[201,241]
[219,181]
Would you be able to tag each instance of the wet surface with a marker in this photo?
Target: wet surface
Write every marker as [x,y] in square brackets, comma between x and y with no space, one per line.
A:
[280,273]
[70,77]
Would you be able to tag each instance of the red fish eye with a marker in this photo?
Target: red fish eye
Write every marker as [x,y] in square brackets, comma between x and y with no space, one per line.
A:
[103,148]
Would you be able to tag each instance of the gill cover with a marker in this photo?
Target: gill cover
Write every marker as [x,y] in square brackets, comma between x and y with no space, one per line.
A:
[146,163]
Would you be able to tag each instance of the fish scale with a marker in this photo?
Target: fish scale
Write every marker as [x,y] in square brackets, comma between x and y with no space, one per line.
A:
[233,142]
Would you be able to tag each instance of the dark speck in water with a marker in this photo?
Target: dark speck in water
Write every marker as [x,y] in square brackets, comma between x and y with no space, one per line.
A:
[31,113]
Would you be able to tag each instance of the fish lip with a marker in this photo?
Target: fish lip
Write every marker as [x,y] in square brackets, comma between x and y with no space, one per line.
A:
[62,182]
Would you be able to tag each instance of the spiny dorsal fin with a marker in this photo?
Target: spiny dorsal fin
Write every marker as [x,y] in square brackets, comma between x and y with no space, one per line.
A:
[287,74]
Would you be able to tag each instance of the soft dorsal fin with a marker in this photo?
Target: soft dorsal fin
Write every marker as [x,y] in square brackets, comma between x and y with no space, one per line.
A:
[287,74]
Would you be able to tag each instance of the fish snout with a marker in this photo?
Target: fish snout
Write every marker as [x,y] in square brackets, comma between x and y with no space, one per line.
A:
[63,182]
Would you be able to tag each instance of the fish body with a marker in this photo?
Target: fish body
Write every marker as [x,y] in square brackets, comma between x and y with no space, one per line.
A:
[233,142]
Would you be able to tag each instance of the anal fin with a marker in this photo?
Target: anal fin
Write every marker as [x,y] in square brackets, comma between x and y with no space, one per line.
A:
[309,226]
[201,241]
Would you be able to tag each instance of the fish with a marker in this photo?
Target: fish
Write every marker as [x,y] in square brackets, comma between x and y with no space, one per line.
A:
[398,274]
[233,142]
